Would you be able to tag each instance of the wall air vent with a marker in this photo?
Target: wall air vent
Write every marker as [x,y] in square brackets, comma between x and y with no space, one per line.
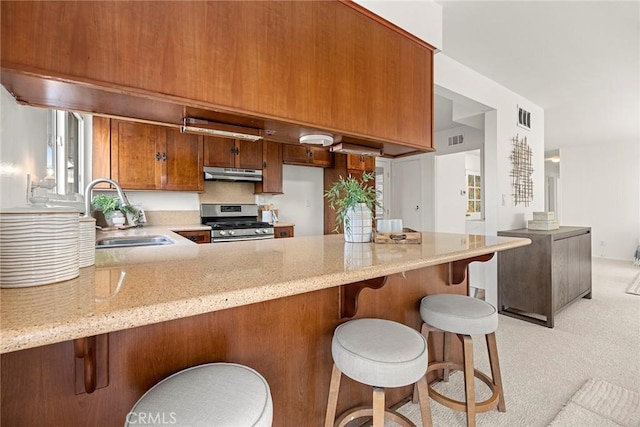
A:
[524,118]
[456,139]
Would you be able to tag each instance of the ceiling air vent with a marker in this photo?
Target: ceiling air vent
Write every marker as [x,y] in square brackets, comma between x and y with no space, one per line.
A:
[524,118]
[456,139]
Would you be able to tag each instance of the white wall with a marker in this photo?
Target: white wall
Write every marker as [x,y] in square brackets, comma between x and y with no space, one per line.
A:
[302,202]
[23,139]
[600,189]
[500,127]
[473,139]
[422,18]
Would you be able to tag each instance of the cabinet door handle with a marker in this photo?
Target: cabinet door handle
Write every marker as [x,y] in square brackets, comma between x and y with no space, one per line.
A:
[264,165]
[158,156]
[164,157]
[237,150]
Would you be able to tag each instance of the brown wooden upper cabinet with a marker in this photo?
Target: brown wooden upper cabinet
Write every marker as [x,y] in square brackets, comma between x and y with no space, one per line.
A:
[304,155]
[361,163]
[328,65]
[271,169]
[232,153]
[149,157]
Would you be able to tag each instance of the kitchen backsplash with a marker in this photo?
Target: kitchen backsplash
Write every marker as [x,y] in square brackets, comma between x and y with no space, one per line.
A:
[227,192]
[172,217]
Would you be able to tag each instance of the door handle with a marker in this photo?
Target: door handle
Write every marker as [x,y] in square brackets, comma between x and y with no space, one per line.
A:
[158,157]
[417,207]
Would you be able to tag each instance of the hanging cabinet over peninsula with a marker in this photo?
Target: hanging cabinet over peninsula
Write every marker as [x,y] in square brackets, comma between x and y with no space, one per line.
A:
[329,65]
[140,156]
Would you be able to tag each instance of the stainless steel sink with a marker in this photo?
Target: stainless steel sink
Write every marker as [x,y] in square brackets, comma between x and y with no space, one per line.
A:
[124,242]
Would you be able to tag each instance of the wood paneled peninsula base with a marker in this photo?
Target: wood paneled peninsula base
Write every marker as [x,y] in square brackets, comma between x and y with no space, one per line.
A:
[271,305]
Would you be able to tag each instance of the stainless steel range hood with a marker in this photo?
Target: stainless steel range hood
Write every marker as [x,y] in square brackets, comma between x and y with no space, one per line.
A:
[232,174]
[223,130]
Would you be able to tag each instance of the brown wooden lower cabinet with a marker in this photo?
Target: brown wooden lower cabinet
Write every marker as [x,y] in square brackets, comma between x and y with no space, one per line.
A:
[198,236]
[536,281]
[282,231]
[288,340]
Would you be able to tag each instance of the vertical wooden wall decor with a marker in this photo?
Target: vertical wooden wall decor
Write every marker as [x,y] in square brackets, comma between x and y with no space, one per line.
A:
[521,171]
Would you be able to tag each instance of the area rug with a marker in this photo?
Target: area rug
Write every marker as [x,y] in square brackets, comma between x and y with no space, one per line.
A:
[634,287]
[600,404]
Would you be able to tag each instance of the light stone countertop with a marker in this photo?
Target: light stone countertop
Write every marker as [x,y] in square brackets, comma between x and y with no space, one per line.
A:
[131,287]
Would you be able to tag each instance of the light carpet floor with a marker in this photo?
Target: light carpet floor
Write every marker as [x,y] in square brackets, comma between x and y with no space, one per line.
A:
[543,368]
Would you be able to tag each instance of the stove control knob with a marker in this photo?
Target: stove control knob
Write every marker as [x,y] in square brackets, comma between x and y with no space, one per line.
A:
[257,231]
[223,233]
[263,231]
[231,232]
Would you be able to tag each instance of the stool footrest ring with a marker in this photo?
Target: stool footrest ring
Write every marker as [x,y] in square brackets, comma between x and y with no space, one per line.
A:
[484,406]
[367,411]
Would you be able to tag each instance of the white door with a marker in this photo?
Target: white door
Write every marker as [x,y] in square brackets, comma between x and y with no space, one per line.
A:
[407,193]
[450,193]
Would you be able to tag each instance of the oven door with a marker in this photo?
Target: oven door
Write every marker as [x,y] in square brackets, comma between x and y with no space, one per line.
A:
[240,238]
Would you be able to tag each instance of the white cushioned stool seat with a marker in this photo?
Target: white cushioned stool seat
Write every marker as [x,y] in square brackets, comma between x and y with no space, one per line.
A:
[380,352]
[459,314]
[214,394]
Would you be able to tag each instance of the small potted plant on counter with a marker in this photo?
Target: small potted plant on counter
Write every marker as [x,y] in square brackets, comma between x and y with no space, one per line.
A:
[109,212]
[354,201]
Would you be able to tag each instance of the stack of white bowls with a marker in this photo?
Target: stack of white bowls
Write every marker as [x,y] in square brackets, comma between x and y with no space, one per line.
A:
[38,246]
[87,243]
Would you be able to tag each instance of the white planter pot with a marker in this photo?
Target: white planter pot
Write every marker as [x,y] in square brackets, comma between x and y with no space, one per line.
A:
[357,224]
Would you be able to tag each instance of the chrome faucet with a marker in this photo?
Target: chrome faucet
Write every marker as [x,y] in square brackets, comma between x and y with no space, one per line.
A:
[88,194]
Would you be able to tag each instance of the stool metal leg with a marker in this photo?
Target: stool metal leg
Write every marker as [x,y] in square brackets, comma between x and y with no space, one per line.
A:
[469,381]
[332,401]
[494,361]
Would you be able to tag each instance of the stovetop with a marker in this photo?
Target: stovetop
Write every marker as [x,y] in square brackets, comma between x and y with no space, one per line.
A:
[241,224]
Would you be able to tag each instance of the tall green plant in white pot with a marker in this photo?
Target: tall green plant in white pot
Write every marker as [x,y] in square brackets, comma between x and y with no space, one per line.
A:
[354,201]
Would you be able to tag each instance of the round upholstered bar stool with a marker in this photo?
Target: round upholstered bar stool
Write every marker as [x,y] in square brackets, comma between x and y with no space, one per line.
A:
[214,394]
[380,353]
[464,316]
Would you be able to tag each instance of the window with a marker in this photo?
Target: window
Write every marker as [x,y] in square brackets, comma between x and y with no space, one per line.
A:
[65,151]
[474,195]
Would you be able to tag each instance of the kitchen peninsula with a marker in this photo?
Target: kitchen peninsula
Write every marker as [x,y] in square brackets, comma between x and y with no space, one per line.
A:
[144,313]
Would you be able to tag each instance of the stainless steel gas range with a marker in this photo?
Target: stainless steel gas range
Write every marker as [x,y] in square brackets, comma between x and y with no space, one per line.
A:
[234,222]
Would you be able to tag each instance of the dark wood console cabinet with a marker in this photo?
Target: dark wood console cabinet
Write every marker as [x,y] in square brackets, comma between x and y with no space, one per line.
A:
[535,282]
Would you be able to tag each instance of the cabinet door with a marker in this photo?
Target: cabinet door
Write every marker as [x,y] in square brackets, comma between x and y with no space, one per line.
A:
[369,163]
[248,154]
[101,149]
[295,154]
[584,260]
[133,155]
[182,169]
[271,169]
[562,272]
[321,157]
[219,152]
[198,236]
[355,162]
[355,173]
[283,232]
